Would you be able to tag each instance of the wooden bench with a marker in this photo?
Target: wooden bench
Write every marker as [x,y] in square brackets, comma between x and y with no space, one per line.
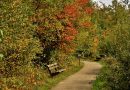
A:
[54,69]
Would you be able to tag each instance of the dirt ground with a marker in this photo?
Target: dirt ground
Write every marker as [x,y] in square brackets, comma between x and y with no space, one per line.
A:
[81,80]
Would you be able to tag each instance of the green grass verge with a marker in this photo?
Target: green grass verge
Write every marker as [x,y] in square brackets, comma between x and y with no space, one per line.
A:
[52,81]
[100,80]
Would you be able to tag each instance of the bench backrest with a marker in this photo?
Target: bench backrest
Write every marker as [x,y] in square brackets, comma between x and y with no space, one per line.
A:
[53,67]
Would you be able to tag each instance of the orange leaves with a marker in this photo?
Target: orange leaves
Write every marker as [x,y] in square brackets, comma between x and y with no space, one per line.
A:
[106,33]
[87,24]
[71,31]
[40,30]
[67,48]
[69,23]
[60,16]
[96,41]
[95,44]
[89,10]
[71,10]
[82,2]
[69,38]
[62,28]
[69,34]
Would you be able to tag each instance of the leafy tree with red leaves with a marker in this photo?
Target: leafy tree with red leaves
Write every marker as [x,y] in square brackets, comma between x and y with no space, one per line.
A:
[57,27]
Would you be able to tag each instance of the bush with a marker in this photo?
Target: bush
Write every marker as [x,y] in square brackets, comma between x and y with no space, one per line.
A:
[115,43]
[18,46]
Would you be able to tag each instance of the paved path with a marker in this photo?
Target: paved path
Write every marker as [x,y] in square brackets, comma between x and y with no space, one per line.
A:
[82,80]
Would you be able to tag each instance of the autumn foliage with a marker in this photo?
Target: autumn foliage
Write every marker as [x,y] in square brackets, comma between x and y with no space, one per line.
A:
[82,2]
[35,29]
[71,11]
[60,27]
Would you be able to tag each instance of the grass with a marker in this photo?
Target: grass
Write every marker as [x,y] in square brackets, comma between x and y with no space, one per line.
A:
[52,81]
[99,83]
[100,80]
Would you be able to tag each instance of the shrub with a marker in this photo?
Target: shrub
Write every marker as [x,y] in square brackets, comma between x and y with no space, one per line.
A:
[18,46]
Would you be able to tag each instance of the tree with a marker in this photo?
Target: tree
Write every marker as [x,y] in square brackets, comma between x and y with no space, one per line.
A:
[19,45]
[115,24]
[57,24]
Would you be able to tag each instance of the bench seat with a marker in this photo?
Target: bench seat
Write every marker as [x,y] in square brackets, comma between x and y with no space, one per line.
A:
[54,69]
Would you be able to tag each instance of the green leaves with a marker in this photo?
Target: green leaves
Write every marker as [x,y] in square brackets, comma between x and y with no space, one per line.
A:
[1,57]
[1,35]
[114,25]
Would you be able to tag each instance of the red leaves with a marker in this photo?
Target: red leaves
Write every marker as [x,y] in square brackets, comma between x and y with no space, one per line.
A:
[82,2]
[71,30]
[69,38]
[71,10]
[89,10]
[60,16]
[69,34]
[62,25]
[72,13]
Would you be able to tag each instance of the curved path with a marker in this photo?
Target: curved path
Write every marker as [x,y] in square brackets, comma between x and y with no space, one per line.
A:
[82,80]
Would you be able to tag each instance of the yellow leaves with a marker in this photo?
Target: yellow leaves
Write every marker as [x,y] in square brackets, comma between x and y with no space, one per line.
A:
[6,88]
[95,44]
[82,37]
[12,19]
[106,33]
[53,23]
[16,3]
[47,23]
[109,17]
[84,19]
[22,43]
[19,45]
[13,56]
[58,25]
